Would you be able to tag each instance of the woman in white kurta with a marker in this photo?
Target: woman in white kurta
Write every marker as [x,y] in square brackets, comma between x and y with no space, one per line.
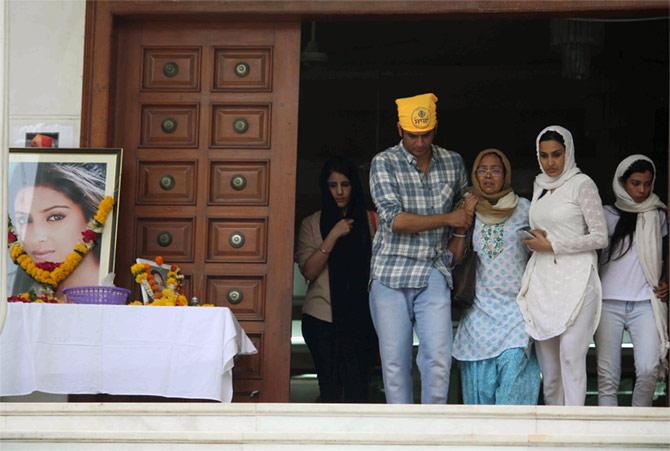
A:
[560,297]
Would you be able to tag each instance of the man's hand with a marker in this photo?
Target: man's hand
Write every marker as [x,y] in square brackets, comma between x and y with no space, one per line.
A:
[459,218]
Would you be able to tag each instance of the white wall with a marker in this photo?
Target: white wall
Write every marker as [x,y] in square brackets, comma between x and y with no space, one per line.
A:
[42,50]
[46,59]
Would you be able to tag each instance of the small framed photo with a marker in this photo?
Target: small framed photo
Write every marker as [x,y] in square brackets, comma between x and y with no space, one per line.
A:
[39,132]
[159,274]
[42,139]
[52,197]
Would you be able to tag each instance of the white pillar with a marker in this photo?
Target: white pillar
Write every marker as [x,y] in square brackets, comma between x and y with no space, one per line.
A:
[4,154]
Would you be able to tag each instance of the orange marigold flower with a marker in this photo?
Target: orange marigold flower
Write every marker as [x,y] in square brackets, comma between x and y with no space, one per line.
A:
[16,251]
[104,209]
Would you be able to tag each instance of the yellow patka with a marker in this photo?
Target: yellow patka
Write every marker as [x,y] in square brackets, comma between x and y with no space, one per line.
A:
[417,114]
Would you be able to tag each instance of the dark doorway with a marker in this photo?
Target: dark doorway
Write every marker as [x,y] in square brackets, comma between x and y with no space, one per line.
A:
[499,82]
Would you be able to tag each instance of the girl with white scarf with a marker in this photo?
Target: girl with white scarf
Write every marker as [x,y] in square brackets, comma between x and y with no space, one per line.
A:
[560,296]
[633,290]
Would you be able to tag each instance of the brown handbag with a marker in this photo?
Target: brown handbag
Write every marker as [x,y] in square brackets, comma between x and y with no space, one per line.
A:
[464,276]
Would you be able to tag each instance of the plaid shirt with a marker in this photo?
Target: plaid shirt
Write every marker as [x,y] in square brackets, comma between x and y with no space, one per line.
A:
[404,260]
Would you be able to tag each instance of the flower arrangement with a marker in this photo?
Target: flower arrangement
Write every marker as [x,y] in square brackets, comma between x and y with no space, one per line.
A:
[170,295]
[50,274]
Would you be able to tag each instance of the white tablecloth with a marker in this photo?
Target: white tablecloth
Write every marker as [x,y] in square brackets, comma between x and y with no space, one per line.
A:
[181,352]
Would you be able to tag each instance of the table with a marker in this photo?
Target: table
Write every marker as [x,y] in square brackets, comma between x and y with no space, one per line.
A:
[178,352]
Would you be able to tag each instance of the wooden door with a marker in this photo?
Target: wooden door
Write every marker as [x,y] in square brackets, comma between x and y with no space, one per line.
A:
[206,112]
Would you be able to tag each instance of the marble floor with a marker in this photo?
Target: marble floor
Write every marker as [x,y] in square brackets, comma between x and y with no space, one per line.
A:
[309,427]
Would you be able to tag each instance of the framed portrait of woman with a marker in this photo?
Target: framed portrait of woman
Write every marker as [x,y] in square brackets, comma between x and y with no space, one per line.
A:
[52,197]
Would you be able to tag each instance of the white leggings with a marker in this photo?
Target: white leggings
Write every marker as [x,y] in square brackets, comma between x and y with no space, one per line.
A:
[563,358]
[638,318]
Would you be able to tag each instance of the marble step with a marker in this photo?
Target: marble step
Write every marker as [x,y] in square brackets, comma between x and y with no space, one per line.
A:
[117,426]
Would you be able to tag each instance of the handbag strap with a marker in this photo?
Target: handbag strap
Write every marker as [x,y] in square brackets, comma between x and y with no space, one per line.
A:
[468,241]
[372,219]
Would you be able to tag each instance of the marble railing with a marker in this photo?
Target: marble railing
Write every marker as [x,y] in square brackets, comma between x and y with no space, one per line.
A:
[72,426]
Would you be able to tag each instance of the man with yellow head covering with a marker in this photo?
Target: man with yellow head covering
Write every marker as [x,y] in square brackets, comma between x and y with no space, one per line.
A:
[415,185]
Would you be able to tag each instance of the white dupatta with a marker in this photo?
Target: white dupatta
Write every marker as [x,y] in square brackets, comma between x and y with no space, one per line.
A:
[570,168]
[648,245]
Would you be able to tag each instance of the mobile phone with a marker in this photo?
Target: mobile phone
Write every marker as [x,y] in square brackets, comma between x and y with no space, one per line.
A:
[525,234]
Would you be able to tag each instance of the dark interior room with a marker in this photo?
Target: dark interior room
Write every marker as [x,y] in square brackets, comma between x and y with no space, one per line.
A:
[499,82]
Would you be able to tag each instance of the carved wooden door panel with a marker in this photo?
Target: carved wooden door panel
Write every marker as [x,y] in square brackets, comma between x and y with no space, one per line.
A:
[207,115]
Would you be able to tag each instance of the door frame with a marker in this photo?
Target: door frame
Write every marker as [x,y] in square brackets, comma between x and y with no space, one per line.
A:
[102,16]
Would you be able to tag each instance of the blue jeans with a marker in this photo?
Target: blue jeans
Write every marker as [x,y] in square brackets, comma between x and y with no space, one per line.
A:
[395,313]
[638,318]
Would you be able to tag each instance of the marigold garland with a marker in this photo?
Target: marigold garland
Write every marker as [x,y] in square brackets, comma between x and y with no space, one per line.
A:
[50,274]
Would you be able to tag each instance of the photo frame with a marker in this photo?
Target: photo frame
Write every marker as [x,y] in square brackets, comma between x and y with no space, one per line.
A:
[65,130]
[47,140]
[159,272]
[50,193]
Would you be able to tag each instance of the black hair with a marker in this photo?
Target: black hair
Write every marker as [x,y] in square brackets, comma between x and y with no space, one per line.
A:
[82,183]
[347,168]
[625,226]
[355,209]
[552,135]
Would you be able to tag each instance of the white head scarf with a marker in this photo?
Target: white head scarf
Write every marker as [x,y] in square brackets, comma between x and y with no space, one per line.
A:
[623,200]
[647,241]
[570,168]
